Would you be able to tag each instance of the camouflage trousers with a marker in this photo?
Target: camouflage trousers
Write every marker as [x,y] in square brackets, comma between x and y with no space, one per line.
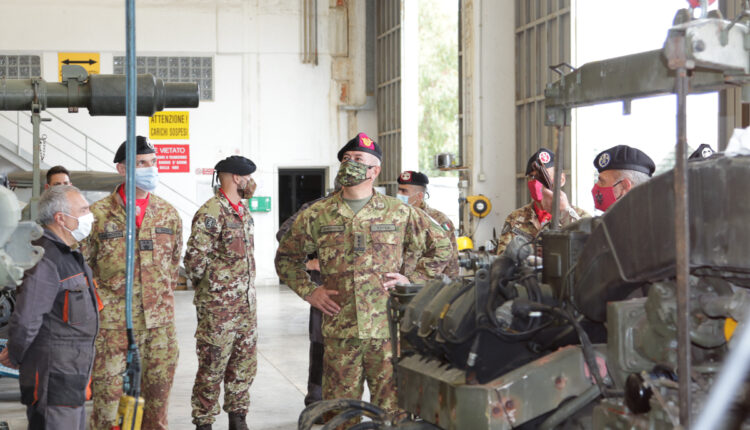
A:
[159,353]
[226,352]
[347,363]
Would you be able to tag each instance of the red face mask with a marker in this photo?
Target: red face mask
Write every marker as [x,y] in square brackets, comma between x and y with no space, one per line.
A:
[604,197]
[535,189]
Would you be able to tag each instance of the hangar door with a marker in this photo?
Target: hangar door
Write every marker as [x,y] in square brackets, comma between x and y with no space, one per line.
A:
[542,40]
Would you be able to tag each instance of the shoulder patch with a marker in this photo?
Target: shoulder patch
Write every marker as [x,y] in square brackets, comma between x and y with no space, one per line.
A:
[446,226]
[210,222]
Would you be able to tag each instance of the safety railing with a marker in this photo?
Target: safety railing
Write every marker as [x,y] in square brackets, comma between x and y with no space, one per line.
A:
[86,144]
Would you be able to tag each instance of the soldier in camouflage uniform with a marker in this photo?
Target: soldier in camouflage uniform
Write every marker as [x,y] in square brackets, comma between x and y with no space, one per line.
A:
[219,261]
[412,187]
[526,222]
[360,236]
[157,258]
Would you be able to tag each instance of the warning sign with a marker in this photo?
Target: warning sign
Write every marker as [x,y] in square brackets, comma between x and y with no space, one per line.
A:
[169,125]
[87,60]
[173,158]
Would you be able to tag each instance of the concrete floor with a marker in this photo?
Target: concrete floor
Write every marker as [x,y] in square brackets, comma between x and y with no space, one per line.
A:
[278,391]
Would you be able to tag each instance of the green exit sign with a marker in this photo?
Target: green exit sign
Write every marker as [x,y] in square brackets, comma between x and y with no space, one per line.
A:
[259,204]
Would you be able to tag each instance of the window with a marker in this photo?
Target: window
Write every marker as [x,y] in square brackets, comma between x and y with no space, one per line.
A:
[175,69]
[20,66]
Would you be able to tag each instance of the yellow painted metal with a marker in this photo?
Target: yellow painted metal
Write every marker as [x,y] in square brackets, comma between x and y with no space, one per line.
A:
[130,407]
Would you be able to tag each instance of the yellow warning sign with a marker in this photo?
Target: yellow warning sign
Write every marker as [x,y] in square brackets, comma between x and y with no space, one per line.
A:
[169,125]
[87,60]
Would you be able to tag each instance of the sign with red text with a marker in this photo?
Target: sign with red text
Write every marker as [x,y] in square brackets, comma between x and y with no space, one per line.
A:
[173,158]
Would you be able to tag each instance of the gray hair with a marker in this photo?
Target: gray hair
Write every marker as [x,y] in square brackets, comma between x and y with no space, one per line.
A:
[636,177]
[54,200]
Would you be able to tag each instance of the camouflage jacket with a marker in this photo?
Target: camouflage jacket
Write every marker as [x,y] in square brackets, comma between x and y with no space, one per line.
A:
[451,270]
[219,257]
[524,222]
[157,260]
[442,226]
[355,252]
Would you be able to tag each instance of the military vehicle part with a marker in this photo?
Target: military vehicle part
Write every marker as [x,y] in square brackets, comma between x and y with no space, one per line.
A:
[641,248]
[100,94]
[475,260]
[16,252]
[445,399]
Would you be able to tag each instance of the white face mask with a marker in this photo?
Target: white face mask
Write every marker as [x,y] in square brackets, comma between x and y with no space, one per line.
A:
[84,226]
[403,198]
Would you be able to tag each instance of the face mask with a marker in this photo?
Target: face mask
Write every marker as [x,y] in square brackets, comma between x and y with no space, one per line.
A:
[352,173]
[403,198]
[84,226]
[147,178]
[248,190]
[535,189]
[604,197]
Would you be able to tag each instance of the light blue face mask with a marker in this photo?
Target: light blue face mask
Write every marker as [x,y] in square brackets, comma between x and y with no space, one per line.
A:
[403,198]
[147,178]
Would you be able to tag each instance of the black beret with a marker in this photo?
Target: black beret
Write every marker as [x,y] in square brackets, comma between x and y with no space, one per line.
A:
[236,164]
[704,151]
[544,156]
[142,146]
[623,157]
[411,177]
[361,142]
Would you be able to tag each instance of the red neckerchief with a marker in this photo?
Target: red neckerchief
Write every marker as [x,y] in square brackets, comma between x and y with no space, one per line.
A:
[543,215]
[236,207]
[141,203]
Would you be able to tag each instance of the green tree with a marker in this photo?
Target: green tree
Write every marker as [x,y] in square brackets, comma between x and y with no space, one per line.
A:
[438,81]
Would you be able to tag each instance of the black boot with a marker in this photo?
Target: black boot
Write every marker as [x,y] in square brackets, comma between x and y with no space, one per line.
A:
[203,427]
[237,421]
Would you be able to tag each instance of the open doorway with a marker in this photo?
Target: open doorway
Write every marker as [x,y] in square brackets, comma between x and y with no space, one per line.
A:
[297,187]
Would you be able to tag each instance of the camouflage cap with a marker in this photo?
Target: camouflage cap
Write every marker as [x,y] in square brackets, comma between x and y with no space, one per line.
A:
[361,142]
[143,146]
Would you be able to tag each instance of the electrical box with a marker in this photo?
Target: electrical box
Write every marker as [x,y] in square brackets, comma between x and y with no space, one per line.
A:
[259,204]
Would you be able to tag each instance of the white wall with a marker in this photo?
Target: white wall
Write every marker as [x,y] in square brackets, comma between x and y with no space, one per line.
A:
[268,106]
[494,113]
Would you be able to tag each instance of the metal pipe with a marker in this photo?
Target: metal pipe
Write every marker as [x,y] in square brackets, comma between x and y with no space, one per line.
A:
[559,166]
[132,383]
[102,95]
[18,133]
[36,184]
[682,252]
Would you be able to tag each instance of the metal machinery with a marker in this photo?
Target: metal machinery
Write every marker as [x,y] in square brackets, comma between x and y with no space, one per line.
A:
[102,95]
[630,321]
